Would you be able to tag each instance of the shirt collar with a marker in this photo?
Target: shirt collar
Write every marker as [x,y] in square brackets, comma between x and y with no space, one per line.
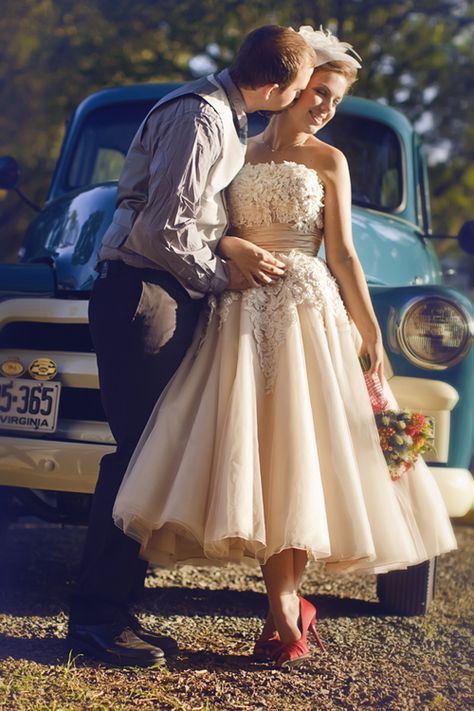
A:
[236,101]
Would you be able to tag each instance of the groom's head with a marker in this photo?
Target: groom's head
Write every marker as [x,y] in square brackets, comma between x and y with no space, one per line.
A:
[272,66]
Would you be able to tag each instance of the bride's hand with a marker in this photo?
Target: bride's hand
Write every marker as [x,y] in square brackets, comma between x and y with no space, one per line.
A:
[374,349]
[256,264]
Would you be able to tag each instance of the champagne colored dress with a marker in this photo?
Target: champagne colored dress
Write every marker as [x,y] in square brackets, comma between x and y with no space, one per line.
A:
[265,438]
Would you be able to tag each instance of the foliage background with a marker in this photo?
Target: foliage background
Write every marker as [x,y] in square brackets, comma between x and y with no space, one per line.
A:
[418,56]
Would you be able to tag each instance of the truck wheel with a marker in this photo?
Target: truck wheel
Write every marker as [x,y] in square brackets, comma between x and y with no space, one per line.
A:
[410,591]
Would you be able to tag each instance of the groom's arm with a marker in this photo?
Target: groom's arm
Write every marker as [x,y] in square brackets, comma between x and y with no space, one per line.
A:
[183,143]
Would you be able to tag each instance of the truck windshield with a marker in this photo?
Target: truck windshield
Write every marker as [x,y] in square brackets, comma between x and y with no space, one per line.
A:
[372,149]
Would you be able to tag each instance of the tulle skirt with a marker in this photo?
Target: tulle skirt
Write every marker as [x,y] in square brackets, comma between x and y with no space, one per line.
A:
[265,440]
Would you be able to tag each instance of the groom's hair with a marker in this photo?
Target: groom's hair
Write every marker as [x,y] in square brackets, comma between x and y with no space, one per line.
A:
[271,55]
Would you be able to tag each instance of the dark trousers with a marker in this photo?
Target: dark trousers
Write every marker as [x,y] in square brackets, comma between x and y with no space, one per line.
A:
[142,322]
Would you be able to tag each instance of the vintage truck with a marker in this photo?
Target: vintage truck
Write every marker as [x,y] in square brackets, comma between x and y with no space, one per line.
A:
[52,426]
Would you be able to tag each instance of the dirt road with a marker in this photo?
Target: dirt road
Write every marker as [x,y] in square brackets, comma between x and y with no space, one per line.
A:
[373,661]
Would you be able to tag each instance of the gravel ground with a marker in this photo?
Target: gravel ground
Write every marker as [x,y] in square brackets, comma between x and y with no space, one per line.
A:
[373,660]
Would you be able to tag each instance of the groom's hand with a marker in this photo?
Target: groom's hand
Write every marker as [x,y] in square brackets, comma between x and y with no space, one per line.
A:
[237,281]
[257,265]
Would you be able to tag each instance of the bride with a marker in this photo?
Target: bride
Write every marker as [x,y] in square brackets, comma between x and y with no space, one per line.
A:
[264,447]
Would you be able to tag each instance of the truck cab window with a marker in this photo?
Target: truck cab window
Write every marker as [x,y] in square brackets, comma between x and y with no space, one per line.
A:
[103,143]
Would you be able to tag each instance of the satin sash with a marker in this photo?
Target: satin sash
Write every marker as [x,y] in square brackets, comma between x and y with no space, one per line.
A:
[279,237]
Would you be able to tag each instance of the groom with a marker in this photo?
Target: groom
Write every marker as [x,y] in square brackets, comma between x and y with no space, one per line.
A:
[156,263]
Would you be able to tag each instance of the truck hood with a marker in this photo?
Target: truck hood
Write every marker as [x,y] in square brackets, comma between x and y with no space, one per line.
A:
[392,250]
[26,280]
[68,232]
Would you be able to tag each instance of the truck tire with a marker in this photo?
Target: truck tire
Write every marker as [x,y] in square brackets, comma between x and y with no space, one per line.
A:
[410,591]
[6,511]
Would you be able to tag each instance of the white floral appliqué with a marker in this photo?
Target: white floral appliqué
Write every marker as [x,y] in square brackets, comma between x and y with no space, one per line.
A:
[289,193]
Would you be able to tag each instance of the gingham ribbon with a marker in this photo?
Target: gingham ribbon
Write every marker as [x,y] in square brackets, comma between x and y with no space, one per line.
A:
[376,394]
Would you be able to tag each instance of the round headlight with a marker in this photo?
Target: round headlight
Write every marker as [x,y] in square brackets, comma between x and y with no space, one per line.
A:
[434,332]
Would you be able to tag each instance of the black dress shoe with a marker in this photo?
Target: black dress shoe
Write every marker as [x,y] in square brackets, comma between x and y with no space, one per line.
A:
[115,644]
[167,644]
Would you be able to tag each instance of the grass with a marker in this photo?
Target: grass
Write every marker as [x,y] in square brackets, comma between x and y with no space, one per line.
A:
[28,686]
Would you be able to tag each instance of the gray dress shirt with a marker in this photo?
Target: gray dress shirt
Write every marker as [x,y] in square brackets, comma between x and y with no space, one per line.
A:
[189,134]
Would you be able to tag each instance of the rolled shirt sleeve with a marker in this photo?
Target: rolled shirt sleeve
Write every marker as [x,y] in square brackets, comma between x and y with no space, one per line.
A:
[183,148]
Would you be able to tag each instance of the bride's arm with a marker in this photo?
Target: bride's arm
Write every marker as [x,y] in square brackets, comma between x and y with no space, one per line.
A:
[256,264]
[342,258]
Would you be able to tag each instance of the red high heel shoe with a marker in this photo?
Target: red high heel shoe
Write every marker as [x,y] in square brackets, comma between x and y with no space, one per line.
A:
[265,650]
[293,653]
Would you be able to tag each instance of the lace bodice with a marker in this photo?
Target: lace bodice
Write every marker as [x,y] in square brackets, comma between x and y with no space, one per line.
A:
[279,206]
[268,193]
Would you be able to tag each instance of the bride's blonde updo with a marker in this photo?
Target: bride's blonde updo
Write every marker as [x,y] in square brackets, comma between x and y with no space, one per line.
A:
[348,71]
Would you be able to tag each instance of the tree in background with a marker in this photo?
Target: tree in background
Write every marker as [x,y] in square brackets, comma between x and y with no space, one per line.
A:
[418,57]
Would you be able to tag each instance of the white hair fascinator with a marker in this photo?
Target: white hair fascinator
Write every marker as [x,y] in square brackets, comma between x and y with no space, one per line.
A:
[328,48]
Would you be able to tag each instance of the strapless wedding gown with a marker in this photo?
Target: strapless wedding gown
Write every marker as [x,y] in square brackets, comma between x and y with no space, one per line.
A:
[265,438]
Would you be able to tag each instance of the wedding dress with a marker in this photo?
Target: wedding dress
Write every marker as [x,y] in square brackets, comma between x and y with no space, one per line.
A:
[265,438]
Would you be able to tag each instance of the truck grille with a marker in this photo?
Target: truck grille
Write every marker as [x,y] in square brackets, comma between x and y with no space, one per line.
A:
[75,403]
[68,337]
[81,404]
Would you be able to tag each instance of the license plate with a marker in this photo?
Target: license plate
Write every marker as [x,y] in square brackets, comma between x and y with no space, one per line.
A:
[29,405]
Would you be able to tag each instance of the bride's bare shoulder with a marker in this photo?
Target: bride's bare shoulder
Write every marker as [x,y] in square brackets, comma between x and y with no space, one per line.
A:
[324,159]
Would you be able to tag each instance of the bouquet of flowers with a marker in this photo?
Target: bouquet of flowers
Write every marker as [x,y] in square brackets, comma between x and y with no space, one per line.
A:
[404,434]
